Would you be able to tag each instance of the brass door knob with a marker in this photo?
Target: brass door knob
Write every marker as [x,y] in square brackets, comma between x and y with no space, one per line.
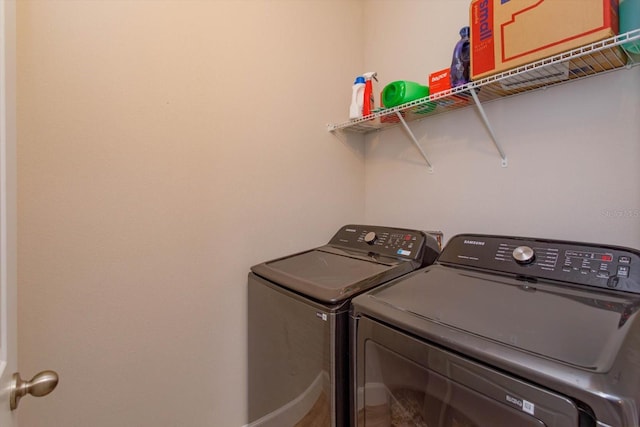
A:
[41,384]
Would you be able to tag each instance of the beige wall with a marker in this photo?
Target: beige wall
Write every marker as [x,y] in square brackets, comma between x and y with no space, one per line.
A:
[573,152]
[165,147]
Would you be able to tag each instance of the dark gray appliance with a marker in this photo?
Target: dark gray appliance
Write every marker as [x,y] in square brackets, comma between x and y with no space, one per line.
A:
[503,332]
[298,315]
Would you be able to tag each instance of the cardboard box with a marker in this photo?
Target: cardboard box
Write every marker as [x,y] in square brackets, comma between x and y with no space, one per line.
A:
[439,81]
[509,33]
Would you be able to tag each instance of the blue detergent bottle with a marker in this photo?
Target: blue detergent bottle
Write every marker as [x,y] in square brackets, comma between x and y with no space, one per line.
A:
[461,58]
[629,14]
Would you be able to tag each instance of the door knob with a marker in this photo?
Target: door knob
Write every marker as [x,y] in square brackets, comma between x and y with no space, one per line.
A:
[40,385]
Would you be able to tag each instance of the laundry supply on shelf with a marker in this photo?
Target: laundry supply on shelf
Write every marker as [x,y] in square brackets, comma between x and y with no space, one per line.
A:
[357,98]
[439,81]
[629,12]
[509,34]
[403,91]
[459,73]
[369,99]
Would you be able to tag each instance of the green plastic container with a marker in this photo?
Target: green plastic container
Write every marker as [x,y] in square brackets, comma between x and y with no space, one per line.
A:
[403,91]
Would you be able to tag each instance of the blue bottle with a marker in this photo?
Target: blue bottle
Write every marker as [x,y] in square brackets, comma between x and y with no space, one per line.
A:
[461,58]
[629,14]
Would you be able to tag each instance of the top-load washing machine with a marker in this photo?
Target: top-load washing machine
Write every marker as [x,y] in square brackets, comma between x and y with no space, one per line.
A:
[298,322]
[503,332]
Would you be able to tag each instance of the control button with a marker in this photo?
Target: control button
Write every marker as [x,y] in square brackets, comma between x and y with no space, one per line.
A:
[613,282]
[585,270]
[407,237]
[370,237]
[624,259]
[566,269]
[602,275]
[623,271]
[524,255]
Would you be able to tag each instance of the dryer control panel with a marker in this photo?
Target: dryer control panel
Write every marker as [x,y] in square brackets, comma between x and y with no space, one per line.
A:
[385,241]
[588,264]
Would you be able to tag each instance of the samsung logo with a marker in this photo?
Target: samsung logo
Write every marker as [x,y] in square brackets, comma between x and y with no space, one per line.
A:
[474,242]
[514,400]
[525,405]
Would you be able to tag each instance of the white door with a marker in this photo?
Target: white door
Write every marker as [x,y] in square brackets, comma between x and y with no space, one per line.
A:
[12,387]
[8,330]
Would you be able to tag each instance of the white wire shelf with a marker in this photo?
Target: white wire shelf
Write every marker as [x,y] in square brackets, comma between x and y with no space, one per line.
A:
[596,58]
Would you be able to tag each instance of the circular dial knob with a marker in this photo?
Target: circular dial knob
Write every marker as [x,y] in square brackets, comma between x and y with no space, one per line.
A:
[524,255]
[370,237]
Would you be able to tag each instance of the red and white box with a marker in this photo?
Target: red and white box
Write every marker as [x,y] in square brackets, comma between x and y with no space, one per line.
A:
[439,81]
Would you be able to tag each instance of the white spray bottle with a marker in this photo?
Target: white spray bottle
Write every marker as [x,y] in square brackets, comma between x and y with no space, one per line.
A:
[357,98]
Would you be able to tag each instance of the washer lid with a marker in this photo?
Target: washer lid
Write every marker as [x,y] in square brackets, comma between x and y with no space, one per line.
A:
[578,326]
[331,275]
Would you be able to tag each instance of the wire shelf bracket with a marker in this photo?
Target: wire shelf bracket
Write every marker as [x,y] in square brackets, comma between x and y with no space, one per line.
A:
[487,124]
[414,140]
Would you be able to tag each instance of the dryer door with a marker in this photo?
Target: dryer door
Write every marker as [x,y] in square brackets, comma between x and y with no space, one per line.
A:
[403,381]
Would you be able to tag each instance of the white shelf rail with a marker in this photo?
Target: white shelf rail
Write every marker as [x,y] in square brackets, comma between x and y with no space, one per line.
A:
[600,57]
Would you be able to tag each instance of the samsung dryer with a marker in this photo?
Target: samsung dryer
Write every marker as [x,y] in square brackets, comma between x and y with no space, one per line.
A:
[500,332]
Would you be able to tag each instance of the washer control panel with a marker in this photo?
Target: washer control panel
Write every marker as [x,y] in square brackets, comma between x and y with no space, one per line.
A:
[609,267]
[391,242]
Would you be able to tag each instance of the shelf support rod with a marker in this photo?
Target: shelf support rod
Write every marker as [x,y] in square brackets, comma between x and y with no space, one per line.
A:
[415,141]
[488,126]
